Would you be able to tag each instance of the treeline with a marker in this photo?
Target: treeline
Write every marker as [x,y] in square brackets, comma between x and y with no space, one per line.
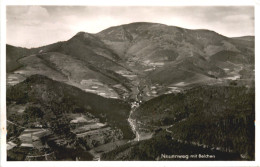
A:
[218,100]
[217,116]
[230,134]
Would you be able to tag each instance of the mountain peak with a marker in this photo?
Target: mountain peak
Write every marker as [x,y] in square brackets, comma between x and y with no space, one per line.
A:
[131,25]
[83,34]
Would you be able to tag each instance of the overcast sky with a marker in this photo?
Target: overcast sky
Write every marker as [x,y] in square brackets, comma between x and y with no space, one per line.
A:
[33,26]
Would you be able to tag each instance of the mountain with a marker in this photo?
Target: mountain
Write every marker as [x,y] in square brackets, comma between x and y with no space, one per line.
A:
[120,58]
[88,96]
[152,44]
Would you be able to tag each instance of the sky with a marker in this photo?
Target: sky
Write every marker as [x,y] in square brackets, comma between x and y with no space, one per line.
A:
[34,26]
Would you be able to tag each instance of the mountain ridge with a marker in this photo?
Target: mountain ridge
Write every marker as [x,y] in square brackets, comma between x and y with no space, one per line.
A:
[132,52]
[80,32]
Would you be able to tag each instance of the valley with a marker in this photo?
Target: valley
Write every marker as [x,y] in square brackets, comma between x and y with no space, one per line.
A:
[132,92]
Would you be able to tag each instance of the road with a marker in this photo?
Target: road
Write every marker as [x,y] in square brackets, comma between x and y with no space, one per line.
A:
[132,123]
[134,106]
[15,124]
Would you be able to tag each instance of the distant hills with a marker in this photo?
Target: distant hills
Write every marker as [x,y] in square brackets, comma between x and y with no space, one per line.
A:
[245,38]
[13,55]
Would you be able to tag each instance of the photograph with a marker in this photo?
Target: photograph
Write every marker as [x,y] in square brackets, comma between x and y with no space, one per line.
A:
[130,83]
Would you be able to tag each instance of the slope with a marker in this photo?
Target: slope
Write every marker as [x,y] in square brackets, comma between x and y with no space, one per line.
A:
[217,116]
[55,98]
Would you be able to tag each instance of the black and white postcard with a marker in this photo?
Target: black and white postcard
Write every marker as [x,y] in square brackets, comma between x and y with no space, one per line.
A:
[129,83]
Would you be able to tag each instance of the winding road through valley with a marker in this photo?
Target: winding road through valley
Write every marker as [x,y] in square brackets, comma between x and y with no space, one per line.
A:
[133,124]
[134,106]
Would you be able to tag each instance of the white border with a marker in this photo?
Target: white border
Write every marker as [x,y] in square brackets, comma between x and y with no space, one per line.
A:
[133,2]
[255,3]
[2,84]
